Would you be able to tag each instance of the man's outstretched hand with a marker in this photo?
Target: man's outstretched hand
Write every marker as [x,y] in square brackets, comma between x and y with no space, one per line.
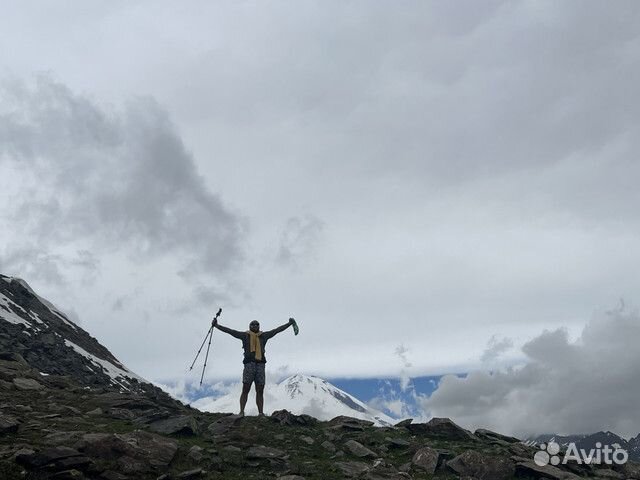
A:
[214,322]
[291,321]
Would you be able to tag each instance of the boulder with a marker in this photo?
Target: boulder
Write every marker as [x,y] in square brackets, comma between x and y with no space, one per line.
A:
[359,450]
[54,458]
[404,423]
[349,423]
[8,424]
[224,424]
[482,467]
[352,469]
[485,434]
[135,452]
[72,474]
[195,454]
[398,442]
[327,445]
[426,459]
[441,428]
[306,439]
[261,452]
[531,470]
[284,417]
[184,425]
[195,473]
[606,473]
[26,384]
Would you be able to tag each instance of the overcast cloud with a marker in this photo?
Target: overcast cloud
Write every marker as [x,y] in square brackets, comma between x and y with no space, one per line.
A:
[113,180]
[453,177]
[565,387]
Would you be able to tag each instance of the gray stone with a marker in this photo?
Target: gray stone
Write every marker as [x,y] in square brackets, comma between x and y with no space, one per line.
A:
[352,469]
[231,449]
[195,473]
[482,467]
[327,445]
[284,417]
[184,425]
[52,455]
[532,470]
[398,442]
[608,473]
[72,474]
[262,452]
[404,423]
[135,452]
[441,428]
[485,434]
[426,459]
[306,439]
[349,423]
[359,450]
[8,424]
[195,454]
[26,384]
[111,475]
[63,438]
[224,424]
[291,477]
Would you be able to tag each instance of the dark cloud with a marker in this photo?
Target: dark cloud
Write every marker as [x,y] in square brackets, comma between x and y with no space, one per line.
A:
[495,348]
[119,180]
[298,240]
[583,386]
[30,261]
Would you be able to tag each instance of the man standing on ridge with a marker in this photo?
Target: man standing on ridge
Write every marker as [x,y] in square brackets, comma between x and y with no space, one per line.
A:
[253,342]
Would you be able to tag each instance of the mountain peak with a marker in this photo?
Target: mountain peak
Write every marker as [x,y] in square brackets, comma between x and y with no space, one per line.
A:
[33,327]
[303,394]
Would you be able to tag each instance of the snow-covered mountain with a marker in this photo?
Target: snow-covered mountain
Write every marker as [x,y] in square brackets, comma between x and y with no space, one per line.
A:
[43,335]
[299,394]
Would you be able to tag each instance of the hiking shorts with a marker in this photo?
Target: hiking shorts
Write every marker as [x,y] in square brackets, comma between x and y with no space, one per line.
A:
[253,372]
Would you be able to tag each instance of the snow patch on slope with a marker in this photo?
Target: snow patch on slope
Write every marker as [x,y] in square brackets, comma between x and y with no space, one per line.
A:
[115,373]
[7,312]
[52,308]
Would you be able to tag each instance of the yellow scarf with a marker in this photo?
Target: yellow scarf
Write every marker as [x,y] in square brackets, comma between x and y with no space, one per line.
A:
[254,344]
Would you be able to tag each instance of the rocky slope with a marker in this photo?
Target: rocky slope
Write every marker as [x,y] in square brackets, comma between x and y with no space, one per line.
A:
[51,343]
[65,414]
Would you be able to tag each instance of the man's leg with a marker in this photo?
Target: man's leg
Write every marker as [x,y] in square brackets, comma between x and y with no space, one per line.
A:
[246,388]
[260,381]
[260,398]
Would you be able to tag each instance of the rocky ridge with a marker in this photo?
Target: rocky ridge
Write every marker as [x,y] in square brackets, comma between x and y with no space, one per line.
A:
[51,427]
[75,412]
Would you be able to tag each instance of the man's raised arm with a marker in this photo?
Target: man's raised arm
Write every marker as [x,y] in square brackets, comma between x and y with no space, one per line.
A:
[230,331]
[267,335]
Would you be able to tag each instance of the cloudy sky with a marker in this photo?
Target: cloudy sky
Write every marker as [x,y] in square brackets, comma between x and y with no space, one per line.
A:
[428,187]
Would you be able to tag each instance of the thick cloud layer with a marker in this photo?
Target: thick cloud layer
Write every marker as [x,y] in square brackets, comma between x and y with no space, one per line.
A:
[115,180]
[581,386]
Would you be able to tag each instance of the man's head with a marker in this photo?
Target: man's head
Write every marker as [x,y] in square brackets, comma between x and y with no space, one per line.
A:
[254,326]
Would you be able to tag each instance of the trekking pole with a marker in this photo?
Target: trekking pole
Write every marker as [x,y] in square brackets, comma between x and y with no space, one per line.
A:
[206,357]
[205,339]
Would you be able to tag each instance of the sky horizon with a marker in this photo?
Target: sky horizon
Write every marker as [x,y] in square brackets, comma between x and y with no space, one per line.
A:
[438,188]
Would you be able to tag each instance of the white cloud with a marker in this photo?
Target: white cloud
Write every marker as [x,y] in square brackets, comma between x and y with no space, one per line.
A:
[565,387]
